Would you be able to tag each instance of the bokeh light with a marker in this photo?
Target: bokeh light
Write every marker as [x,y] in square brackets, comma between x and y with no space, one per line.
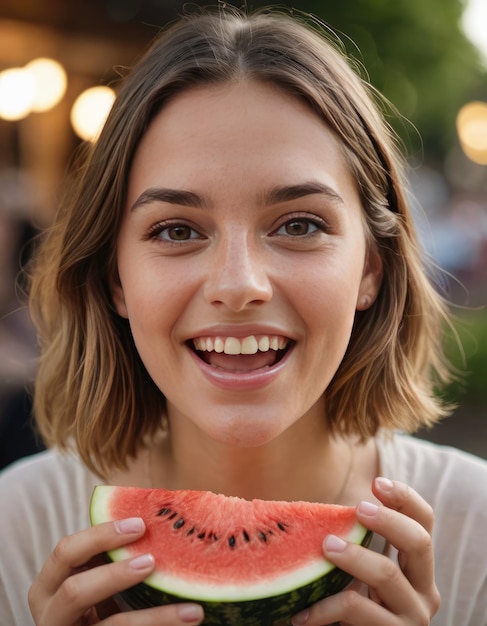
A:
[17,89]
[50,83]
[472,131]
[90,111]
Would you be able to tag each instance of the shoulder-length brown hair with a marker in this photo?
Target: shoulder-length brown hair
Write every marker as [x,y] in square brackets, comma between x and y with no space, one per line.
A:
[92,388]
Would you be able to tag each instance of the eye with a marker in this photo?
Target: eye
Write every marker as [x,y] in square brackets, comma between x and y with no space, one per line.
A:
[300,227]
[174,232]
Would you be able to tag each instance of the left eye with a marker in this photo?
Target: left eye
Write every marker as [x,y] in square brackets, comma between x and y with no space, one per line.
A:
[298,228]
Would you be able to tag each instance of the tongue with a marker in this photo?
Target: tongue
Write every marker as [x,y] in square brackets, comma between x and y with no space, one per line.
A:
[241,362]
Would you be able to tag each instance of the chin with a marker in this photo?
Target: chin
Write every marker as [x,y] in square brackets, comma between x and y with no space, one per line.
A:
[245,435]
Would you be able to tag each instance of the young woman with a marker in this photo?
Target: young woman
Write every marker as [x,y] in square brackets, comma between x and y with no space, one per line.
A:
[232,298]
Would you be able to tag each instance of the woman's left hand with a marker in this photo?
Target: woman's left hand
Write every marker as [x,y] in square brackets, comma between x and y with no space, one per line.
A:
[401,594]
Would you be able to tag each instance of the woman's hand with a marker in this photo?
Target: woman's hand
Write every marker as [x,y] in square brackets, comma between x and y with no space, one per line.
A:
[395,595]
[72,588]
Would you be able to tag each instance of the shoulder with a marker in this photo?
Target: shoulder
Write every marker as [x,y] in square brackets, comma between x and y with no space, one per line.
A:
[49,484]
[44,497]
[436,472]
[49,474]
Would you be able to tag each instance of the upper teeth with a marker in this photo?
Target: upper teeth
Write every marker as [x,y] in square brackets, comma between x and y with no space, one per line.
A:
[243,345]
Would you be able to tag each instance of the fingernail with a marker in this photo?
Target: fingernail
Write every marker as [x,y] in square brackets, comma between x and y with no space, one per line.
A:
[367,508]
[190,612]
[144,561]
[300,618]
[335,544]
[130,525]
[384,484]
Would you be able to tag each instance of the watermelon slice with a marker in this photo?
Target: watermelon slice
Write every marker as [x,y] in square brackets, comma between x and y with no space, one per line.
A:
[246,562]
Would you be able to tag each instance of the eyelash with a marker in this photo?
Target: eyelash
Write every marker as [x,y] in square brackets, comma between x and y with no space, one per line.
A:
[319,224]
[157,230]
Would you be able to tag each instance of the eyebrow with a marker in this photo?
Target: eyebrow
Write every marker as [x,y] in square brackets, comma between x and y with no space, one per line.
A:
[171,196]
[294,192]
[278,194]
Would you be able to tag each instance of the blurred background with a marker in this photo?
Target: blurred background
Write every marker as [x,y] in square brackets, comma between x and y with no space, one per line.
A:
[59,60]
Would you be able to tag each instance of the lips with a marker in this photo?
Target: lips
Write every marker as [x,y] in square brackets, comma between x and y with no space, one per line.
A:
[241,354]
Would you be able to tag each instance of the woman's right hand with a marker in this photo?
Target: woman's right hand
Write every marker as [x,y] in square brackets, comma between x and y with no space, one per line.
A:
[72,583]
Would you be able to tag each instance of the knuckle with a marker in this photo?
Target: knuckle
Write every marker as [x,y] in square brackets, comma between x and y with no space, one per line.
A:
[424,619]
[429,513]
[33,601]
[435,601]
[31,595]
[60,554]
[71,592]
[423,543]
[390,573]
[351,602]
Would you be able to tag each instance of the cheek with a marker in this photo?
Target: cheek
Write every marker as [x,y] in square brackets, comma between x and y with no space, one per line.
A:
[150,287]
[331,292]
[155,301]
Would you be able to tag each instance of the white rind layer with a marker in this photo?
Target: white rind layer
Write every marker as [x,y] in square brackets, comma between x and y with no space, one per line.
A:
[240,592]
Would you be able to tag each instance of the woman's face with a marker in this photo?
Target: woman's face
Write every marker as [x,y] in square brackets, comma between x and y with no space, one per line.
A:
[242,260]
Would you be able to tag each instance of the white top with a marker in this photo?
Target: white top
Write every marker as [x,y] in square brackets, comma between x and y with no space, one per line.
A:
[45,497]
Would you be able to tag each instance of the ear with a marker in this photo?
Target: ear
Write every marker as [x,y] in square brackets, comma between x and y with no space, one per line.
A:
[371,279]
[118,296]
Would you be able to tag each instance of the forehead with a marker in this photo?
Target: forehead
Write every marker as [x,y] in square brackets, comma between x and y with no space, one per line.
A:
[246,130]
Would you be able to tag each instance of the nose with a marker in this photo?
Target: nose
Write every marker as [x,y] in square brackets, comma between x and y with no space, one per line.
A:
[238,274]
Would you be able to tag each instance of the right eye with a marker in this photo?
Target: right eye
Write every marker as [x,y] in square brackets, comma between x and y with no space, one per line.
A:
[174,233]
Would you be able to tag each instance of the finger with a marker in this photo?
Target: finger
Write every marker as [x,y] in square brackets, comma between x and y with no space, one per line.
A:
[410,538]
[401,497]
[76,550]
[378,572]
[347,607]
[170,615]
[83,590]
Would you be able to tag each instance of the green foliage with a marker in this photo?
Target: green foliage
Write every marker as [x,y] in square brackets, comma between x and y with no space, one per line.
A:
[471,359]
[416,54]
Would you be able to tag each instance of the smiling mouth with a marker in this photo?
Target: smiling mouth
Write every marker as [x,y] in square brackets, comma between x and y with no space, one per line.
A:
[242,354]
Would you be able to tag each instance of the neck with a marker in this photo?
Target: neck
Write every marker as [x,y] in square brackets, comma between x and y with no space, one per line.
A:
[303,463]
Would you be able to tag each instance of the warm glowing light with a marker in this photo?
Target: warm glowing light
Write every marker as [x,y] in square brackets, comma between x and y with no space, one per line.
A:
[90,111]
[472,131]
[474,20]
[50,83]
[17,88]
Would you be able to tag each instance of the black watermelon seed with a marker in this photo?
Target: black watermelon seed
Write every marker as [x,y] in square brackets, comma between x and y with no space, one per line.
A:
[281,526]
[231,541]
[179,523]
[164,511]
[201,535]
[262,536]
[173,515]
[245,535]
[215,537]
[190,532]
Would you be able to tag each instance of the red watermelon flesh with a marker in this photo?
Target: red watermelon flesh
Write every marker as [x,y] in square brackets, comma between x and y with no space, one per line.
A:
[223,549]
